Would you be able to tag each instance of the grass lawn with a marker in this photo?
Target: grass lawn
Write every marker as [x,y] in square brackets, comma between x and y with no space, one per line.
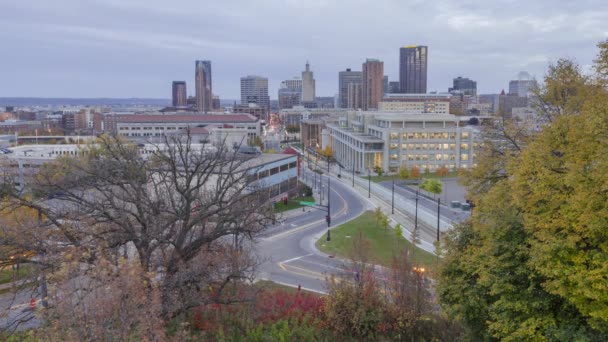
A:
[7,274]
[271,285]
[292,203]
[383,243]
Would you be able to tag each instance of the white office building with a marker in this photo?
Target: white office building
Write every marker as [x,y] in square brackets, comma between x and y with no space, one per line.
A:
[391,140]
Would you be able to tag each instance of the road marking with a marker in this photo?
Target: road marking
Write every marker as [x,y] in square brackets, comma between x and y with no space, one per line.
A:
[292,231]
[296,258]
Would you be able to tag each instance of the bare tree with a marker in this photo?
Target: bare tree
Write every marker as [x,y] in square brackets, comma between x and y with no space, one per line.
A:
[184,212]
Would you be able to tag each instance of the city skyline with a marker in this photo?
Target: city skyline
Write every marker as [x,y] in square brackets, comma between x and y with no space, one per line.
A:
[489,43]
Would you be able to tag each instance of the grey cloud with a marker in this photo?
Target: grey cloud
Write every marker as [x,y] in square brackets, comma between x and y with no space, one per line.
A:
[124,48]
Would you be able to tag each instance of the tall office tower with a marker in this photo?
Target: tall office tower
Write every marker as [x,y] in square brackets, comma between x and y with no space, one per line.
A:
[394,87]
[523,86]
[385,84]
[254,89]
[464,86]
[353,96]
[290,93]
[204,90]
[412,69]
[372,85]
[308,85]
[345,79]
[180,97]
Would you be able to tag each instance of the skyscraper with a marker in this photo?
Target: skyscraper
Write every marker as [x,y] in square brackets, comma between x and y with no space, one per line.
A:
[372,87]
[523,86]
[308,85]
[203,85]
[464,86]
[413,69]
[345,79]
[180,96]
[254,89]
[290,93]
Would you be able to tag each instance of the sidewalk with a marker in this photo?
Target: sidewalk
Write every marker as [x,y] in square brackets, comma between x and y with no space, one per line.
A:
[426,232]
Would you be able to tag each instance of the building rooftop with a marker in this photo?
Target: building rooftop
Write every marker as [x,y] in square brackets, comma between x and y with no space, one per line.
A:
[197,118]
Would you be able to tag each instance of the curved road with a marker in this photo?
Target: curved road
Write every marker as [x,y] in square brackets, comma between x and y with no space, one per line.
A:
[288,252]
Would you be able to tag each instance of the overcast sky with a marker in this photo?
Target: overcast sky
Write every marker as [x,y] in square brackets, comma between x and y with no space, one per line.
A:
[135,48]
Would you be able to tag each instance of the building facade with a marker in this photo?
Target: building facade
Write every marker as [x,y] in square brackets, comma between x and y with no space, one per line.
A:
[372,86]
[354,96]
[368,140]
[345,79]
[254,89]
[463,86]
[179,94]
[203,85]
[522,88]
[413,61]
[290,93]
[416,103]
[148,127]
[308,85]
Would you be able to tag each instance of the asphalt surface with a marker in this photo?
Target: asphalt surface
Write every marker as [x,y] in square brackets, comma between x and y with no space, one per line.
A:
[288,248]
[447,213]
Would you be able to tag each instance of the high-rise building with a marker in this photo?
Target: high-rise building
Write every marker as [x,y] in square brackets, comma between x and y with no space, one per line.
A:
[254,89]
[372,85]
[413,69]
[385,85]
[394,87]
[522,87]
[180,96]
[308,85]
[345,79]
[353,96]
[290,93]
[203,85]
[464,86]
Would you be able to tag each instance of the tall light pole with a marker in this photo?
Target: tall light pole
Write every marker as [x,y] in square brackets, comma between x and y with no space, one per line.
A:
[416,215]
[353,162]
[369,183]
[328,217]
[393,197]
[438,216]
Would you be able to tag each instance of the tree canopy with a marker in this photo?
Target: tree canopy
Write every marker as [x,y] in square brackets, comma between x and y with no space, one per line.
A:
[532,261]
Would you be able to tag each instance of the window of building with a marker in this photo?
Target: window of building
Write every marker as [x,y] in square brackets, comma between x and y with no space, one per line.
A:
[452,146]
[464,146]
[464,157]
[284,167]
[274,170]
[293,165]
[465,135]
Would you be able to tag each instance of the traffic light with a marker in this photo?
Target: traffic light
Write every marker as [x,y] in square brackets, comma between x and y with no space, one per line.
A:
[328,219]
[285,200]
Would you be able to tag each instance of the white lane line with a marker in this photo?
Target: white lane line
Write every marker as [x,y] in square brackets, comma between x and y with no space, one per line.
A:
[296,258]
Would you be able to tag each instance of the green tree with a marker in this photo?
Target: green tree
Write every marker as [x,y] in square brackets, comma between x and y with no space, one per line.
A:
[398,232]
[431,185]
[404,173]
[532,262]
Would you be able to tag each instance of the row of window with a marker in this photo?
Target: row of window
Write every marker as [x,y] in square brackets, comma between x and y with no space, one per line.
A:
[431,135]
[270,172]
[412,147]
[430,157]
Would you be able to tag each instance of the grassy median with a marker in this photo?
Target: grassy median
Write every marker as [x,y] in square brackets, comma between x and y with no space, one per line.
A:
[383,243]
[292,203]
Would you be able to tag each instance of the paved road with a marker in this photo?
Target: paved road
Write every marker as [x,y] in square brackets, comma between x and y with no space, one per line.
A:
[290,254]
[447,213]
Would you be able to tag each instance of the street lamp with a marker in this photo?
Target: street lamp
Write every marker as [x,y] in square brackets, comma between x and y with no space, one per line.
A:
[369,183]
[393,197]
[328,217]
[438,216]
